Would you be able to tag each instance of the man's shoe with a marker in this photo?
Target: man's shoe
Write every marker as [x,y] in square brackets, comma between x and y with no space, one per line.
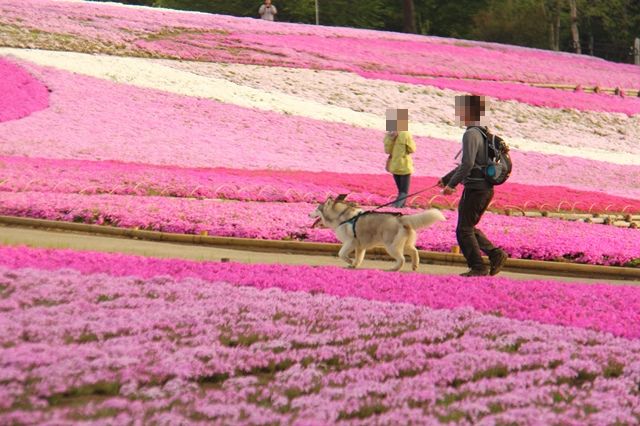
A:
[475,273]
[497,261]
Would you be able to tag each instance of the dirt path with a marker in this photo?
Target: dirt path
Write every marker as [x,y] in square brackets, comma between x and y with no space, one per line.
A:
[56,239]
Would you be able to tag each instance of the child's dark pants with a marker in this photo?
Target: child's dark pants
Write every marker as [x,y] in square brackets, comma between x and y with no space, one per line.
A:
[402,182]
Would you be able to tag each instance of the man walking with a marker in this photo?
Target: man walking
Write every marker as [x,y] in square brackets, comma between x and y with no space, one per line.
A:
[267,11]
[477,192]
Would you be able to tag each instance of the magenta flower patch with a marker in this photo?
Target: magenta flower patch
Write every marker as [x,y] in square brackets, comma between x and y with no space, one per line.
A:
[601,307]
[99,177]
[21,94]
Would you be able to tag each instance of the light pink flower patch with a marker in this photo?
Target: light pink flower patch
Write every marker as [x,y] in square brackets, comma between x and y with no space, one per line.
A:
[125,123]
[21,94]
[236,349]
[219,38]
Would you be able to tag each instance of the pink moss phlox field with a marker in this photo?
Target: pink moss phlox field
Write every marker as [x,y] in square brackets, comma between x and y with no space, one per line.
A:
[535,96]
[358,49]
[521,237]
[19,174]
[452,59]
[392,56]
[607,308]
[108,348]
[146,128]
[20,93]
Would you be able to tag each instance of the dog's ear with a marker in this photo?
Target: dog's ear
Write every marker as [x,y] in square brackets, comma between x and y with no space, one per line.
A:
[341,197]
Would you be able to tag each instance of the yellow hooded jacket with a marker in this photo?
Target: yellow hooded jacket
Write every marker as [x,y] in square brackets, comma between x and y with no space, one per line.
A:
[401,162]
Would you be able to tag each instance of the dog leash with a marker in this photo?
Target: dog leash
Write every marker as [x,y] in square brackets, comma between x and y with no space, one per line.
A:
[405,197]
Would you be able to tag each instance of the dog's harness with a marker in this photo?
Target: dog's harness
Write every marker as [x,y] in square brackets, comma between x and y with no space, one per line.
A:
[354,219]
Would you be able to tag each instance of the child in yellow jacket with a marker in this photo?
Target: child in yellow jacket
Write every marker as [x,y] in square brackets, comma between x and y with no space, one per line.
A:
[399,144]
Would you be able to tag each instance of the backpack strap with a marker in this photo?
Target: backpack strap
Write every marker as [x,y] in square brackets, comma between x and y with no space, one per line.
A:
[485,135]
[486,145]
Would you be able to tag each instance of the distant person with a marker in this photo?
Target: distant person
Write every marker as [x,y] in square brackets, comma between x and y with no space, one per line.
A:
[477,192]
[267,11]
[399,144]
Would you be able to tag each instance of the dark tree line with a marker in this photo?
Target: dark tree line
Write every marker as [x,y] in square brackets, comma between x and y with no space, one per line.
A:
[604,28]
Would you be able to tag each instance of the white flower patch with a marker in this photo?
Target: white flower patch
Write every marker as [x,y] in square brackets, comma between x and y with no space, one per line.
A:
[301,92]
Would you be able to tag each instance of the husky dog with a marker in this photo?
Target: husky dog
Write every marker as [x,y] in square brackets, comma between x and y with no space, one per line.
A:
[359,230]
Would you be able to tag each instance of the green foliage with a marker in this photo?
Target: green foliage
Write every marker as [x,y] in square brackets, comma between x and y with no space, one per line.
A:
[607,27]
[448,19]
[613,369]
[583,377]
[512,22]
[364,412]
[102,388]
[613,24]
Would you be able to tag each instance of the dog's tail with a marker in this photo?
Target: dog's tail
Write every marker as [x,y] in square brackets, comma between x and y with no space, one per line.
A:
[422,220]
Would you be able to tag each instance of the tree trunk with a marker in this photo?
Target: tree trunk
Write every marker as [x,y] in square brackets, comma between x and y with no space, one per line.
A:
[574,26]
[409,9]
[556,33]
[551,13]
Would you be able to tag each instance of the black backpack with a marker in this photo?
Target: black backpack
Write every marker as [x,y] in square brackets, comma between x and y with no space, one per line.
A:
[499,164]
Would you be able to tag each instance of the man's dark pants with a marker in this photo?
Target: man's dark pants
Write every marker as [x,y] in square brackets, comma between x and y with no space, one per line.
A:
[472,205]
